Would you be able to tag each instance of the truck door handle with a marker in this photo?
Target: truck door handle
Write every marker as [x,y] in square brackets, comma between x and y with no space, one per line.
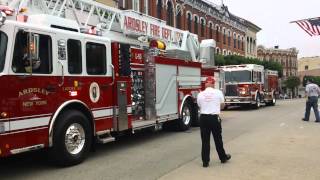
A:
[50,88]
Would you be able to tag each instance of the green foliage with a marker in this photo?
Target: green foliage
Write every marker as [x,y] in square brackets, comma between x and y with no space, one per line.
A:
[221,60]
[292,82]
[316,80]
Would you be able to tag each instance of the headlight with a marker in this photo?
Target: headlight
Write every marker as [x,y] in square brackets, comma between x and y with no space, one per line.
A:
[242,92]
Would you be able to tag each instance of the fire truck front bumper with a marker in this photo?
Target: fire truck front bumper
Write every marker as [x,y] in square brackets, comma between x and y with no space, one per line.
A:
[238,100]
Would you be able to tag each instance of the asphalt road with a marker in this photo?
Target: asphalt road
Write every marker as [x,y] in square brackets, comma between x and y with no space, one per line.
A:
[148,155]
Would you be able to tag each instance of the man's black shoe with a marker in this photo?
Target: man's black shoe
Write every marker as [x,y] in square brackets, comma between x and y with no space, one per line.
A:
[228,157]
[303,119]
[205,164]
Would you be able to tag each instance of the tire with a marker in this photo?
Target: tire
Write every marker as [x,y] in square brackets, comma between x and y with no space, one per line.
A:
[70,126]
[257,105]
[226,107]
[187,115]
[273,101]
[196,117]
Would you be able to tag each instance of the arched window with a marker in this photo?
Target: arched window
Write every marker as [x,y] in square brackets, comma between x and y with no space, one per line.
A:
[210,30]
[217,50]
[224,36]
[202,27]
[242,44]
[229,38]
[217,34]
[159,9]
[196,22]
[178,17]
[135,5]
[189,20]
[234,40]
[248,47]
[238,41]
[169,13]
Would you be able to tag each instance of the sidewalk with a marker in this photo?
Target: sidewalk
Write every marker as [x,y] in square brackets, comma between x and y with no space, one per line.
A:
[286,149]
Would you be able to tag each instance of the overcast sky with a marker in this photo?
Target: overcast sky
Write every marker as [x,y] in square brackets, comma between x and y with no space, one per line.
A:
[274,17]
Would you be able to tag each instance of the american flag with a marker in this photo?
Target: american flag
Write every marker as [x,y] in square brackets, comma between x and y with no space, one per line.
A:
[311,26]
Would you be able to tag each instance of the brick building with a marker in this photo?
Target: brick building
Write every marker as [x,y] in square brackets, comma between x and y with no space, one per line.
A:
[208,20]
[286,57]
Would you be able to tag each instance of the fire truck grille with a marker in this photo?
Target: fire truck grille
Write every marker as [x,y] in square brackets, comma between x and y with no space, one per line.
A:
[231,90]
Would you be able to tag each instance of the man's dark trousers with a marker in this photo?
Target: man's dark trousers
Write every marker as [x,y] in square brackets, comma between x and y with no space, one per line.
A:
[211,124]
[312,102]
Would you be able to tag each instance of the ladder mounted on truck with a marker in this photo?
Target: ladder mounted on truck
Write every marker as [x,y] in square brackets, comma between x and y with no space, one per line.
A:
[87,13]
[107,21]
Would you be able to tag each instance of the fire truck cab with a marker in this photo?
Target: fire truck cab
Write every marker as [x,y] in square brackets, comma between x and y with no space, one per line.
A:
[249,84]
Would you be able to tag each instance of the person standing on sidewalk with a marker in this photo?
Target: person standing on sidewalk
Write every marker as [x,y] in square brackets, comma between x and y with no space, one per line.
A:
[312,92]
[210,102]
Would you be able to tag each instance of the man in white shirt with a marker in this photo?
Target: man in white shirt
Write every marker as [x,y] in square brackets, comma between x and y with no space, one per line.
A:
[312,92]
[210,101]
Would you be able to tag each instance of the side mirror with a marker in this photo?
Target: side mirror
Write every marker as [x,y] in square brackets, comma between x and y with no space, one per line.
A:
[33,52]
[33,46]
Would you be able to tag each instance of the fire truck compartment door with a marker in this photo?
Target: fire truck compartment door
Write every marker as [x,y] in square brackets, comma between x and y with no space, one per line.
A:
[166,89]
[122,120]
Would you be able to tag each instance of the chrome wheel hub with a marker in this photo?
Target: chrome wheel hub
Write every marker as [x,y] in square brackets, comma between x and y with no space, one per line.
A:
[186,116]
[74,138]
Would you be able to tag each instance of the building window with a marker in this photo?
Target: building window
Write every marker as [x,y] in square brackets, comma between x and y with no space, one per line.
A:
[234,40]
[159,9]
[217,34]
[135,5]
[196,24]
[224,36]
[169,13]
[242,44]
[189,20]
[248,46]
[306,67]
[238,42]
[74,56]
[96,58]
[210,31]
[229,38]
[202,27]
[178,17]
[122,4]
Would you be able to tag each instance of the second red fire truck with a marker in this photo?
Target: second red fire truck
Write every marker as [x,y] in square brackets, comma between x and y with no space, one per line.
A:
[250,84]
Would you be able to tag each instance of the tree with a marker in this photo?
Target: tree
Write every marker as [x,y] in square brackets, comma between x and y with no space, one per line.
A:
[292,82]
[316,80]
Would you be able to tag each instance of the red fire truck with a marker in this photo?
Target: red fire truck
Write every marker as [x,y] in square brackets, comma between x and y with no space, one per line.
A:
[250,84]
[74,72]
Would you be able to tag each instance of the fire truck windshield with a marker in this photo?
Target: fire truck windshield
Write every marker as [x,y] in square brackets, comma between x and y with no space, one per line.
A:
[237,76]
[3,49]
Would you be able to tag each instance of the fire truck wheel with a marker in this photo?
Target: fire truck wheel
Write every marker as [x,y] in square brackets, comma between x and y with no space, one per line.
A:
[187,116]
[72,137]
[258,102]
[273,101]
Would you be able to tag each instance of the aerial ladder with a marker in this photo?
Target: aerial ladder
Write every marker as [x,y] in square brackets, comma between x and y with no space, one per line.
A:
[119,25]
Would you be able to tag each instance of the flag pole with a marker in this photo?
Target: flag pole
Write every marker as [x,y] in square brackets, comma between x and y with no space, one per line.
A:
[304,19]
